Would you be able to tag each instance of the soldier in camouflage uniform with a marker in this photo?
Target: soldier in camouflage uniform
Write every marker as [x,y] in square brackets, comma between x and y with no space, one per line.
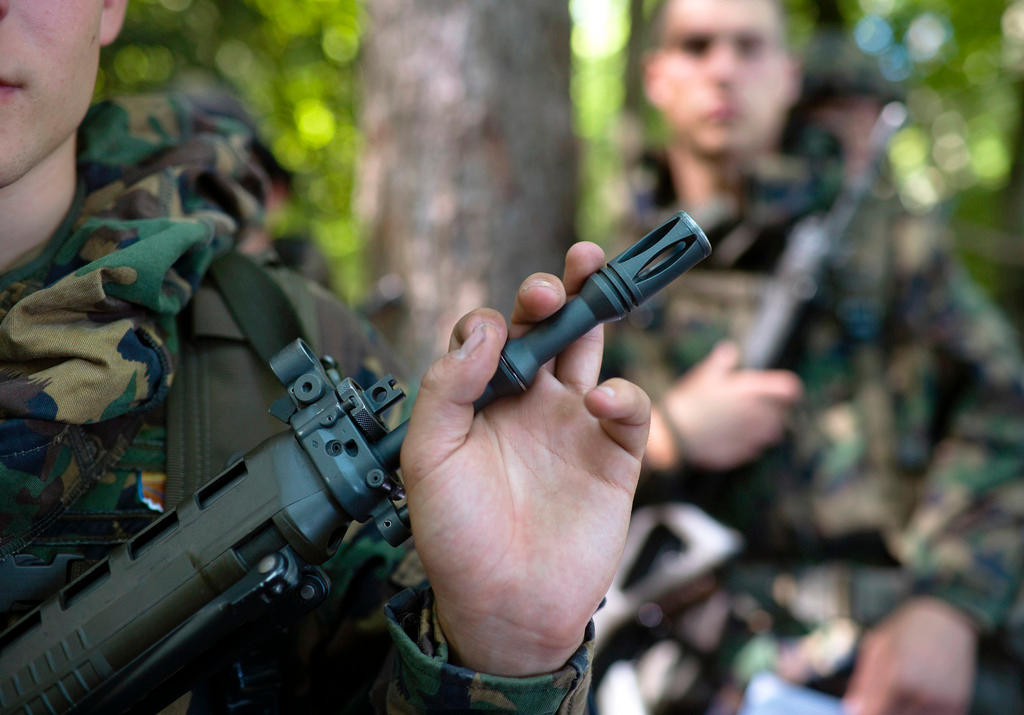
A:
[108,224]
[876,471]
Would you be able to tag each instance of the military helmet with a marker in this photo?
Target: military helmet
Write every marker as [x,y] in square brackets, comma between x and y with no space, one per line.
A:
[835,67]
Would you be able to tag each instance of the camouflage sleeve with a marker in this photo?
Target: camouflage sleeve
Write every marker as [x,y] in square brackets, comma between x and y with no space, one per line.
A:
[424,681]
[963,543]
[351,655]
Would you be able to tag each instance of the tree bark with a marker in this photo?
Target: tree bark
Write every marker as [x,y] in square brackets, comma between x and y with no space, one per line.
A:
[468,174]
[1013,193]
[829,14]
[636,46]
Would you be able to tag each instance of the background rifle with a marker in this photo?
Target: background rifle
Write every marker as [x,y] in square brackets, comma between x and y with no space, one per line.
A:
[809,248]
[238,556]
[705,545]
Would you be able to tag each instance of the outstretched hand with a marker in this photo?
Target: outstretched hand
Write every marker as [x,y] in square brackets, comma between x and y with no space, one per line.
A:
[520,512]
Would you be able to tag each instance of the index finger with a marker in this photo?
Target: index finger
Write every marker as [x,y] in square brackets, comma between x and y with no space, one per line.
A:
[579,364]
[542,294]
[581,260]
[539,296]
[779,385]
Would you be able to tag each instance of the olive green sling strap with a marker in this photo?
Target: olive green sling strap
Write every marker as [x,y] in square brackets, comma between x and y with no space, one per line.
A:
[257,303]
[239,318]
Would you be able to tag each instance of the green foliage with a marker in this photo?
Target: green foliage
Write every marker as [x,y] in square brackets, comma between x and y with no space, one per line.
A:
[292,63]
[957,59]
[599,37]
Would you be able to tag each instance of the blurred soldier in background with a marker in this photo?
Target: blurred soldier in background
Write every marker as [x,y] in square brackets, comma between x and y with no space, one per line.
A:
[297,252]
[873,464]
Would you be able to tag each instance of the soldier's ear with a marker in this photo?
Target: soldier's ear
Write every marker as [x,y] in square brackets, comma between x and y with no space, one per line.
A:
[656,85]
[793,80]
[111,20]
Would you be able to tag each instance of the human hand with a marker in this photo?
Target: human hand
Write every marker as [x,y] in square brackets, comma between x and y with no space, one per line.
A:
[724,416]
[520,512]
[919,660]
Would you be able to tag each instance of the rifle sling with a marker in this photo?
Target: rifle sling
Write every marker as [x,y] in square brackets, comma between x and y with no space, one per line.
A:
[257,303]
[246,304]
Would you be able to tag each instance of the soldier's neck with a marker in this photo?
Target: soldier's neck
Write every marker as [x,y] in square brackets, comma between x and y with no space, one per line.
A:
[34,205]
[701,180]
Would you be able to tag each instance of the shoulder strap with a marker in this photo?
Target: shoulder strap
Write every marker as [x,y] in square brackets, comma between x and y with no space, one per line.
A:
[257,303]
[247,306]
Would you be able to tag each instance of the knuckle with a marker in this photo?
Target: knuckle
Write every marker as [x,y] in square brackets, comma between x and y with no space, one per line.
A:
[435,375]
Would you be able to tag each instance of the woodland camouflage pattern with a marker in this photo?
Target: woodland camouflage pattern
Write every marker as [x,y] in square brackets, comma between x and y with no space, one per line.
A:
[906,449]
[89,340]
[89,327]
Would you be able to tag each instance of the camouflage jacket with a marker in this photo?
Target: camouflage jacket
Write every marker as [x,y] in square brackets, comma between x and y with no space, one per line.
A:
[906,447]
[90,342]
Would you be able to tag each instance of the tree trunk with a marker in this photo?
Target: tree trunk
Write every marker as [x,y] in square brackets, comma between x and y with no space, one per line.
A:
[636,46]
[829,14]
[1013,194]
[468,177]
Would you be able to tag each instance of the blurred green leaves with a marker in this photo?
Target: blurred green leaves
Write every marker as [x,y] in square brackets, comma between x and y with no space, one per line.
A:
[293,64]
[958,60]
[599,37]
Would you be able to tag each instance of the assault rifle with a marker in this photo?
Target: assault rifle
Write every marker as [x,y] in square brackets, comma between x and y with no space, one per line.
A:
[242,551]
[812,243]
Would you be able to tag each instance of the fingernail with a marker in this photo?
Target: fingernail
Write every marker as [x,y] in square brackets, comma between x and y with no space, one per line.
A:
[607,390]
[537,283]
[475,340]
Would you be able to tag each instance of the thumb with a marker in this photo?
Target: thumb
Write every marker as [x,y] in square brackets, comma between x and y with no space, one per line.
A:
[443,412]
[870,683]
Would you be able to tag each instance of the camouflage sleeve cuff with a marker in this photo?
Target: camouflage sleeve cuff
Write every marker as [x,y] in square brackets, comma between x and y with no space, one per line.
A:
[972,561]
[678,441]
[959,598]
[963,543]
[987,608]
[424,681]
